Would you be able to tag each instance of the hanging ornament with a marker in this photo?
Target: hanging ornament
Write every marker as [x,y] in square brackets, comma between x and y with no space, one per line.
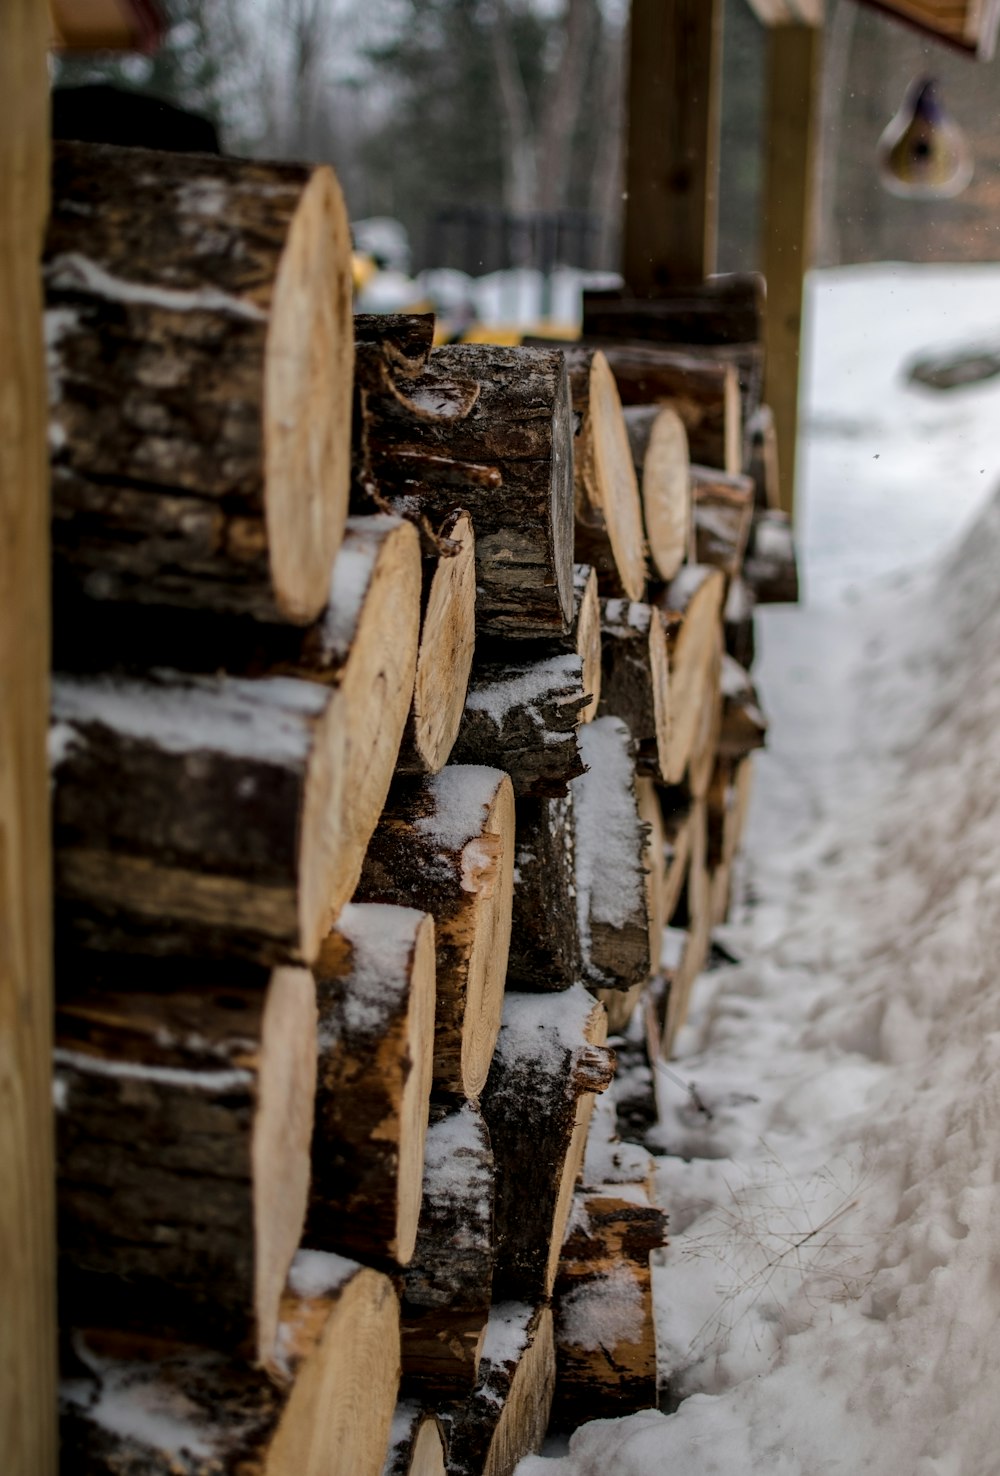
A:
[923,154]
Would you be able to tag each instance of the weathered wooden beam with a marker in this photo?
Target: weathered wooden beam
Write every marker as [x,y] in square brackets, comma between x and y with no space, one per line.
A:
[27,1216]
[673,130]
[792,126]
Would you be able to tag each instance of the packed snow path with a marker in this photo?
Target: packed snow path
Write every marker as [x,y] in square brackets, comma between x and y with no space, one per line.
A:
[831,1299]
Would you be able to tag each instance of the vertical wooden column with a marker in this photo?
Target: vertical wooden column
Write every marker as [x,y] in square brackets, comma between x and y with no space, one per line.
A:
[671,176]
[787,225]
[27,1250]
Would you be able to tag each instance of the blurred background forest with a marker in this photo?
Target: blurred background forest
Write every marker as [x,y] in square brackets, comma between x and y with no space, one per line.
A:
[491,130]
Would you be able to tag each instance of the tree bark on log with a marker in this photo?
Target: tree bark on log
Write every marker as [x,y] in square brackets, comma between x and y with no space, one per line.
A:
[692,607]
[703,392]
[375,994]
[545,932]
[738,623]
[251,862]
[323,1409]
[550,1061]
[445,845]
[200,353]
[610,881]
[609,531]
[444,657]
[184,1120]
[447,1287]
[635,678]
[523,715]
[488,429]
[508,1414]
[723,509]
[402,340]
[744,726]
[620,1005]
[662,459]
[416,1443]
[770,567]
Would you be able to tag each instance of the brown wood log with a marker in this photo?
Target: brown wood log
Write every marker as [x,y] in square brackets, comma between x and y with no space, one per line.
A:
[723,309]
[416,1443]
[197,814]
[744,726]
[447,641]
[549,1063]
[447,1287]
[403,340]
[738,623]
[697,908]
[662,459]
[762,458]
[620,1005]
[610,881]
[522,713]
[770,567]
[507,1415]
[375,994]
[609,531]
[728,806]
[445,845]
[635,678]
[184,1120]
[545,931]
[146,1408]
[692,606]
[705,746]
[488,429]
[200,352]
[703,392]
[723,509]
[678,831]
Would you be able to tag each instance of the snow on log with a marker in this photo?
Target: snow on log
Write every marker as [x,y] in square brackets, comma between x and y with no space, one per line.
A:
[692,606]
[445,845]
[200,350]
[550,1061]
[545,932]
[375,994]
[447,1287]
[723,509]
[762,459]
[611,900]
[522,714]
[507,1415]
[635,679]
[660,452]
[323,1408]
[609,531]
[738,623]
[620,1004]
[447,640]
[770,567]
[197,814]
[416,1443]
[744,726]
[703,392]
[488,429]
[184,1115]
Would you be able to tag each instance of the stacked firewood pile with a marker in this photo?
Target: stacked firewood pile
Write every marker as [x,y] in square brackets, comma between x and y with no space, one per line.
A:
[393,721]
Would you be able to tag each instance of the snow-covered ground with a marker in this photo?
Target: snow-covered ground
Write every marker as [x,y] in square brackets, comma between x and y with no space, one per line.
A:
[830,1302]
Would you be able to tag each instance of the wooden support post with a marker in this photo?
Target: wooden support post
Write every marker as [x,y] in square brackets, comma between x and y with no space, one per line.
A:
[27,1252]
[673,133]
[792,120]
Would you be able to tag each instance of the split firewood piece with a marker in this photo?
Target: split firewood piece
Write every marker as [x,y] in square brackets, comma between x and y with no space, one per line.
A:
[705,746]
[445,844]
[723,309]
[620,1004]
[522,713]
[200,355]
[402,340]
[199,814]
[545,932]
[692,605]
[662,460]
[728,806]
[609,532]
[612,908]
[696,905]
[744,726]
[488,429]
[762,458]
[677,827]
[140,1407]
[184,1120]
[507,1416]
[447,1287]
[723,510]
[635,679]
[738,623]
[703,392]
[603,1307]
[447,641]
[416,1443]
[550,1061]
[770,567]
[375,993]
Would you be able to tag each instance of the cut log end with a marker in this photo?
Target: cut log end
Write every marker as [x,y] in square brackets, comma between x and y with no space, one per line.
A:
[494,904]
[660,450]
[615,475]
[588,636]
[447,642]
